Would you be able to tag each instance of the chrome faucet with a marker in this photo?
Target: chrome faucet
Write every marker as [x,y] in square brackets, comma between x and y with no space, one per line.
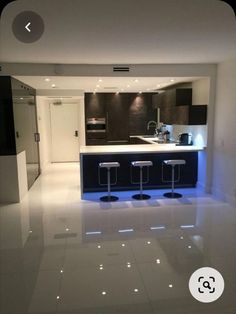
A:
[150,123]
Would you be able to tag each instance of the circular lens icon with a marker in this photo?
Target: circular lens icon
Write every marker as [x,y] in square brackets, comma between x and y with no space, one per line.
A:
[206,284]
[28,27]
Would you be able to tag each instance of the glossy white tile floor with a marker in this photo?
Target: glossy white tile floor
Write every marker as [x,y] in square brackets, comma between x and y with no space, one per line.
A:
[59,254]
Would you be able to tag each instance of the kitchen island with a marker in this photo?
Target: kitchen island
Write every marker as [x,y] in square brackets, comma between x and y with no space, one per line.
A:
[93,179]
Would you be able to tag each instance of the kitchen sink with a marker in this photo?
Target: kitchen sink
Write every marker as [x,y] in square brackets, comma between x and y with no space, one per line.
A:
[161,142]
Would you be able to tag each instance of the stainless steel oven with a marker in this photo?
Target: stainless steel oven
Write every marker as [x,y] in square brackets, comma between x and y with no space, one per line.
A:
[96,125]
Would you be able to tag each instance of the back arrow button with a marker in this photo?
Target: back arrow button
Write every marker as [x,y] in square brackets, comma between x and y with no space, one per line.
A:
[27,27]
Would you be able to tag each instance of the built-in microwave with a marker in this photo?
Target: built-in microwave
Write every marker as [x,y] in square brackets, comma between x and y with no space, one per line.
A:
[96,125]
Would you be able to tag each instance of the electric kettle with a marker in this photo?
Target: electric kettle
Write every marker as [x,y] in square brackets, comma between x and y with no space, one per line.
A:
[185,139]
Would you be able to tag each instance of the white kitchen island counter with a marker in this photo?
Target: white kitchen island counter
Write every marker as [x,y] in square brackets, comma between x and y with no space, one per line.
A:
[92,176]
[139,148]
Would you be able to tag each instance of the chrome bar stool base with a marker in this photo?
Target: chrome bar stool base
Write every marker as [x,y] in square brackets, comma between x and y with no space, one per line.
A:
[141,164]
[109,165]
[140,197]
[108,199]
[173,163]
[172,195]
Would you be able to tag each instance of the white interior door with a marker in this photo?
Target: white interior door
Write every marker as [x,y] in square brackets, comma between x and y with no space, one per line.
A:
[64,131]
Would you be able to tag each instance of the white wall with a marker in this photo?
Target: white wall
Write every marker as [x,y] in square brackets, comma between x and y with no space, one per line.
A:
[201,90]
[224,149]
[9,190]
[13,178]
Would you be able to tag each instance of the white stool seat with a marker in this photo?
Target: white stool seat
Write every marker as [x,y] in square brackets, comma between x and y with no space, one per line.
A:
[142,163]
[175,162]
[112,164]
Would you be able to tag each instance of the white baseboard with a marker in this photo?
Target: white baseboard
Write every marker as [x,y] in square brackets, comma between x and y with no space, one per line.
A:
[224,197]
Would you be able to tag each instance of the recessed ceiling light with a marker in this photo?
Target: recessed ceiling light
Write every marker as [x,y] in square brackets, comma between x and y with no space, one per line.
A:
[148,242]
[99,246]
[21,98]
[58,297]
[158,261]
[123,244]
[135,290]
[172,80]
[189,246]
[97,86]
[136,80]
[170,286]
[100,80]
[104,293]
[128,86]
[61,271]
[47,79]
[53,85]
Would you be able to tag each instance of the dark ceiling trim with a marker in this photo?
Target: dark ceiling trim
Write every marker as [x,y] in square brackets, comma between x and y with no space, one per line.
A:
[232,4]
[3,4]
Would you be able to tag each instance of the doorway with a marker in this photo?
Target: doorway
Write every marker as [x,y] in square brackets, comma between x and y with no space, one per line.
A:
[64,118]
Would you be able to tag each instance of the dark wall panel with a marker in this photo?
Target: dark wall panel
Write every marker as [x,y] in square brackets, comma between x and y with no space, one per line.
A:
[7,131]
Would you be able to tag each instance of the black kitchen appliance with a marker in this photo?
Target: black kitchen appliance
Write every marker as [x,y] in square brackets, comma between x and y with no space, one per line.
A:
[185,139]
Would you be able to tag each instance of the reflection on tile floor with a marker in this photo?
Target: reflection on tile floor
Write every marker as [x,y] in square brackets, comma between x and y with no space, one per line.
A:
[63,255]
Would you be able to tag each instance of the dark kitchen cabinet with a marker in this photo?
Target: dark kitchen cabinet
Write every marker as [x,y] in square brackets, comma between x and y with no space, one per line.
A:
[95,105]
[141,110]
[173,97]
[176,107]
[178,97]
[117,109]
[167,115]
[190,115]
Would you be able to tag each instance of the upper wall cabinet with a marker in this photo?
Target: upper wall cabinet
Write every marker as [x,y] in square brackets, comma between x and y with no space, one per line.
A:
[173,97]
[176,107]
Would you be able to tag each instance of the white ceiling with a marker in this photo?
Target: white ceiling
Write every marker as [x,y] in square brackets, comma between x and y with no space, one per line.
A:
[124,32]
[104,84]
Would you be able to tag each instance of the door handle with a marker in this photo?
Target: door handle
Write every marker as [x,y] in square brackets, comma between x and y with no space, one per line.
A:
[37,137]
[76,134]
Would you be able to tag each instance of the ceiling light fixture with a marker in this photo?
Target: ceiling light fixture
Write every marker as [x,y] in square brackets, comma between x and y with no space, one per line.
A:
[53,85]
[136,80]
[100,80]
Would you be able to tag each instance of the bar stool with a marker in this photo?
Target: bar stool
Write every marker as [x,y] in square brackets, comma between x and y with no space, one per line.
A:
[141,164]
[173,163]
[108,166]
